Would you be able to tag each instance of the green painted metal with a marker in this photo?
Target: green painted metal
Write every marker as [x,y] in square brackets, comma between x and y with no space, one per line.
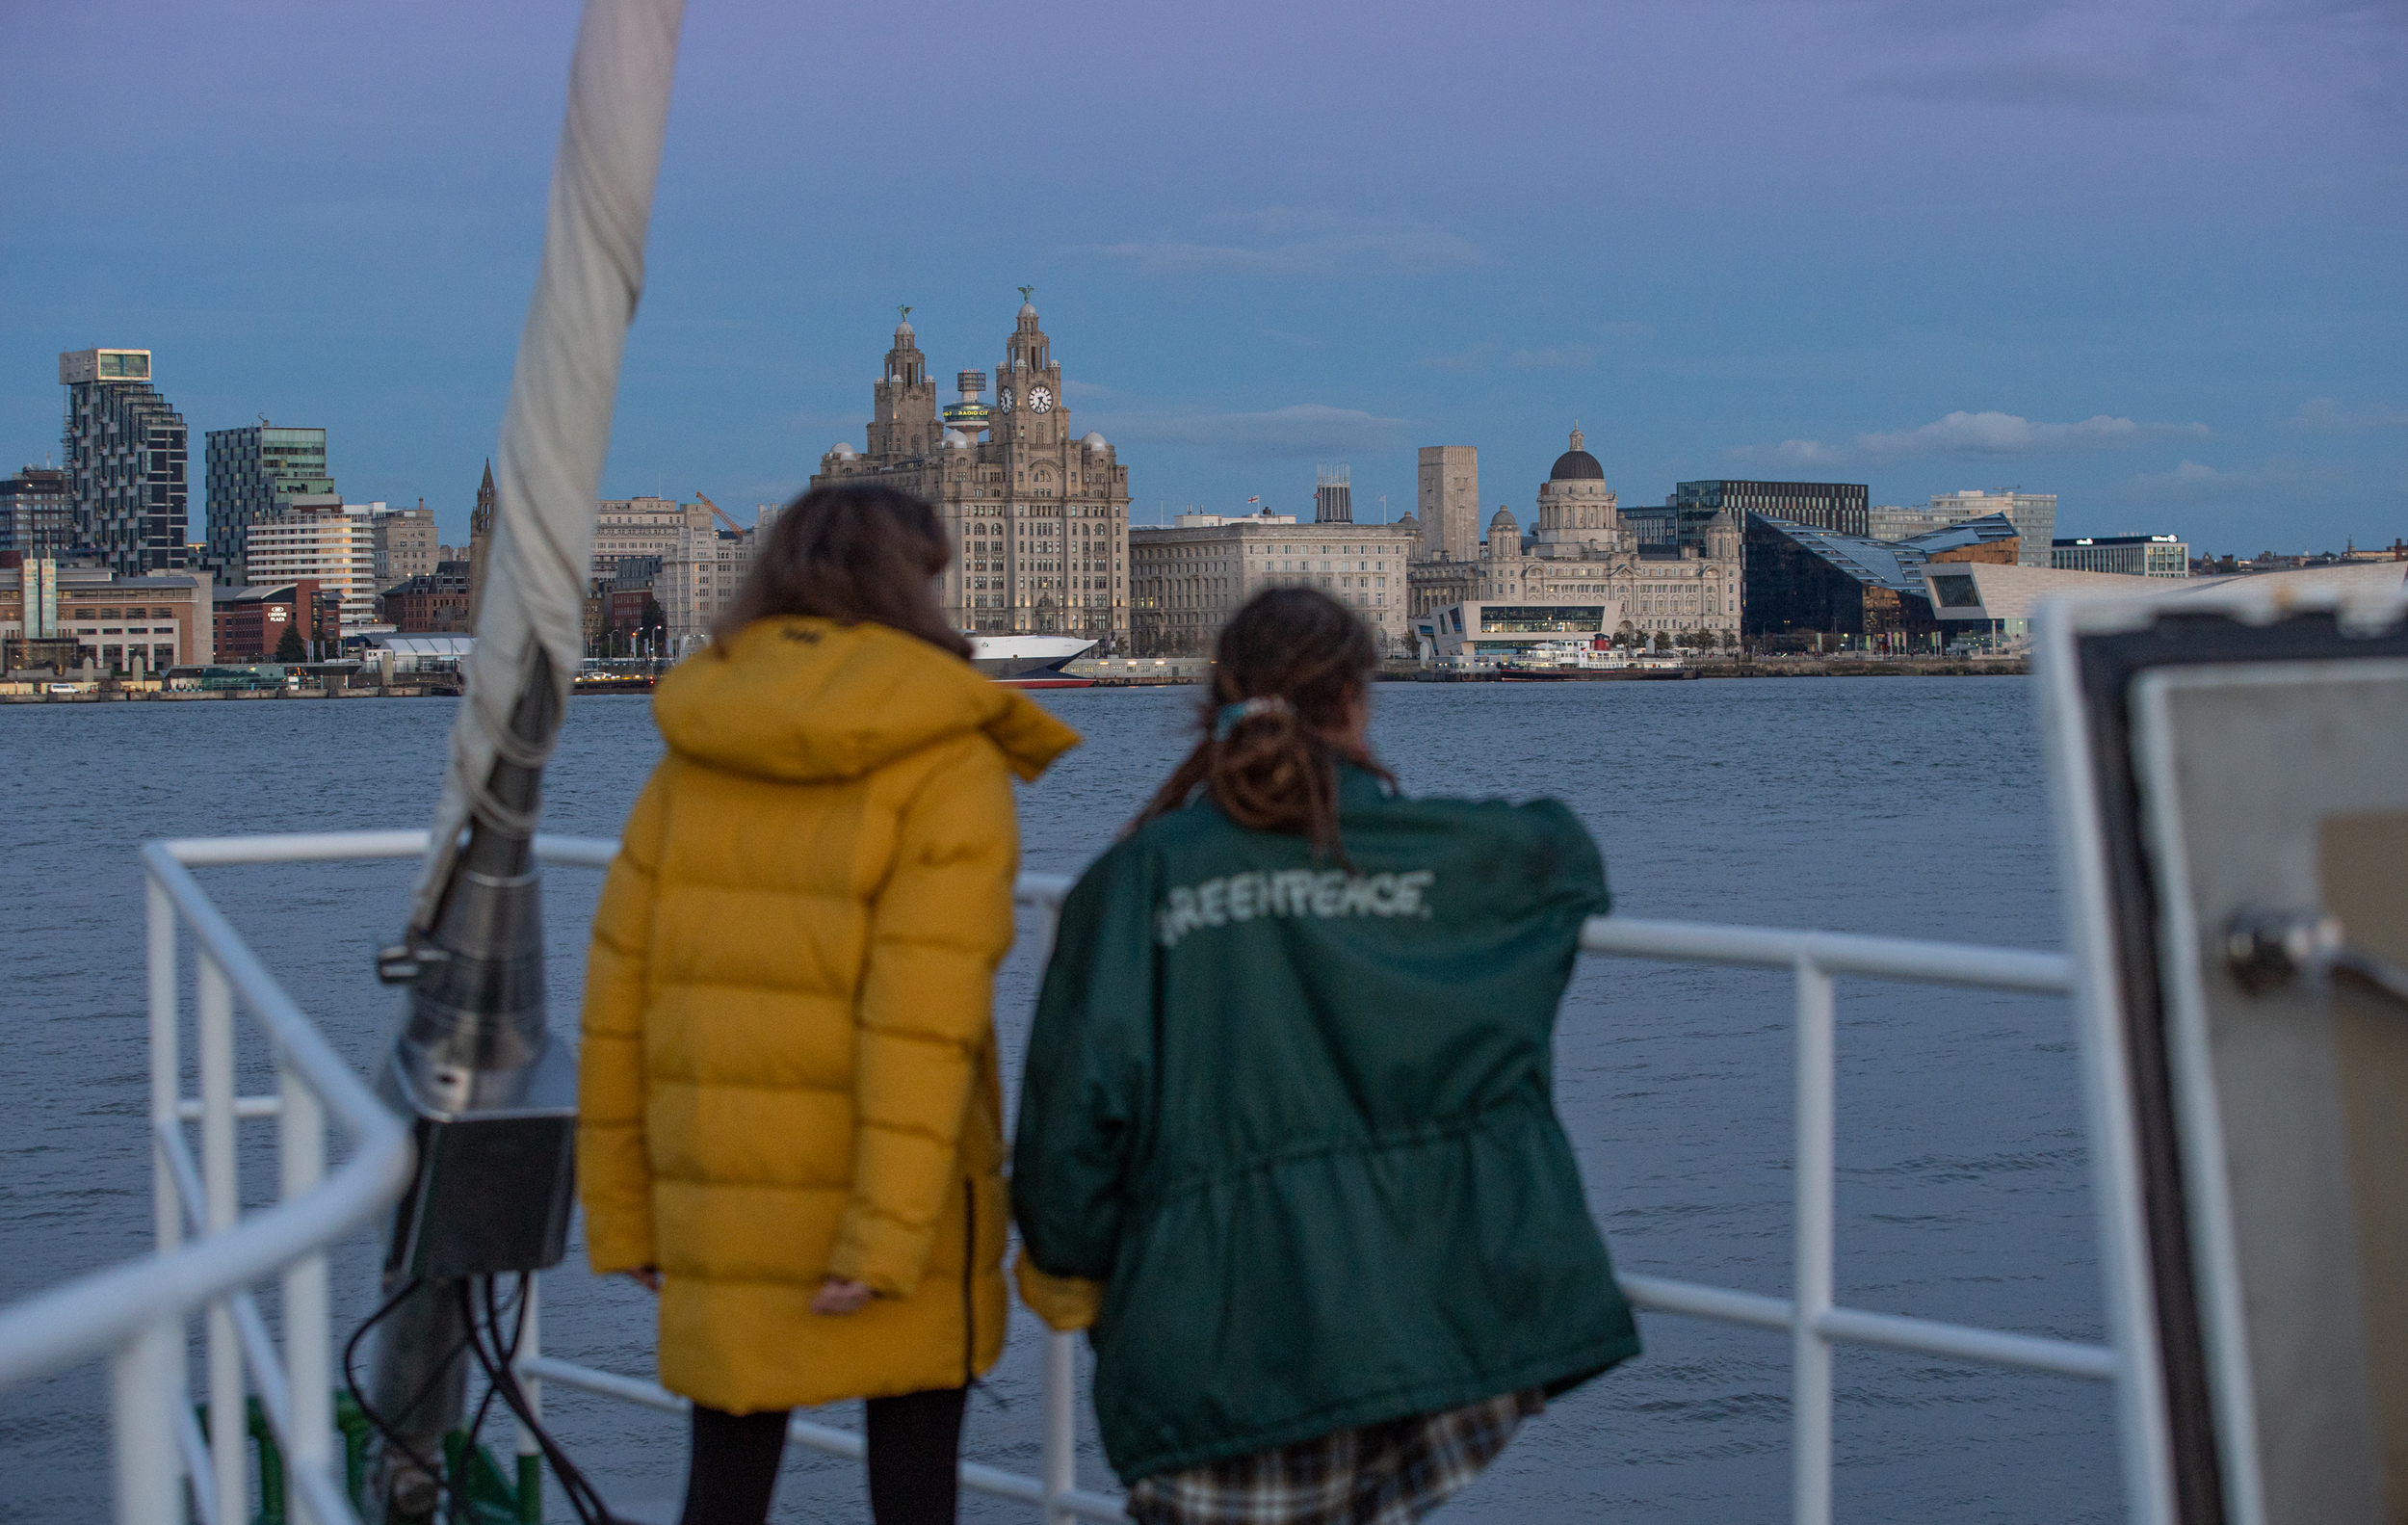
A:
[493,1497]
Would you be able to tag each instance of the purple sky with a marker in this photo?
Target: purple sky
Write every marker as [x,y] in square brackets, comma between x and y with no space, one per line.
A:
[2149,256]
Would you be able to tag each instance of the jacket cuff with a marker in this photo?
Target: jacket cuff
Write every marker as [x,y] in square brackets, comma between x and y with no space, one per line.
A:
[1063,1302]
[852,1260]
[610,1250]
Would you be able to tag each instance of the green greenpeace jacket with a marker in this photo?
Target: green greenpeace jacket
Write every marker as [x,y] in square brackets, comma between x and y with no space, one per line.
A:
[1299,1122]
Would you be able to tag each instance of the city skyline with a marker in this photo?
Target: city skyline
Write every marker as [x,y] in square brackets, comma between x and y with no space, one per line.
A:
[1962,246]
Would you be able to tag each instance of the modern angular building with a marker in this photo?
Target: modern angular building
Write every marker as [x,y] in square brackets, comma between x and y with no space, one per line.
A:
[36,512]
[253,473]
[1805,581]
[123,451]
[1039,516]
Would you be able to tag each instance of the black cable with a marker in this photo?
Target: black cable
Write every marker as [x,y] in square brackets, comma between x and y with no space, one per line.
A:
[582,1497]
[392,1436]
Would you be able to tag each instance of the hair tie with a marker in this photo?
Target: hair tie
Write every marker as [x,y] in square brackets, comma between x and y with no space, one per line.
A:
[1230,717]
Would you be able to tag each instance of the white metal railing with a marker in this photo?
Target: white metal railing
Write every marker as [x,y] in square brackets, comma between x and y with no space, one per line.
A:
[140,1312]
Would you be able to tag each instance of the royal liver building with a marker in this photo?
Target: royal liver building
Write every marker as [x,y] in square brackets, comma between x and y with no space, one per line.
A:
[1039,520]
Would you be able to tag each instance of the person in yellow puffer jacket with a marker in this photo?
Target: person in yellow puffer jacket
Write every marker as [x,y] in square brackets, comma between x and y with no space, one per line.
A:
[790,1126]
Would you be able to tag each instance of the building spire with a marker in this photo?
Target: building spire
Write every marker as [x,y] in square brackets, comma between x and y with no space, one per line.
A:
[1577,435]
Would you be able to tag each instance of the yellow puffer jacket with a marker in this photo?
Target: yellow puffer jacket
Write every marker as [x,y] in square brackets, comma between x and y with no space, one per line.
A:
[788,1069]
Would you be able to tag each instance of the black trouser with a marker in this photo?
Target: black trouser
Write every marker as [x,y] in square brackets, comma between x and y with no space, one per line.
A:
[915,1456]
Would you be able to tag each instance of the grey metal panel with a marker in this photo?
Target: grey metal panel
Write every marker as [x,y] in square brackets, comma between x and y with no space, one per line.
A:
[2238,767]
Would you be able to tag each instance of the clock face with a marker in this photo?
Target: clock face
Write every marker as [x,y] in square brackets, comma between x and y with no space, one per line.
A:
[1041,400]
[1003,399]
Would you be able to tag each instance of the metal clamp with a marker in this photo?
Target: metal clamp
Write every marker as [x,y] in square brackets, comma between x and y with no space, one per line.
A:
[2266,950]
[405,961]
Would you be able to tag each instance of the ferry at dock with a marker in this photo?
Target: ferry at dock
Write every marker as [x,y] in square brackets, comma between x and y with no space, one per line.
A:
[1030,661]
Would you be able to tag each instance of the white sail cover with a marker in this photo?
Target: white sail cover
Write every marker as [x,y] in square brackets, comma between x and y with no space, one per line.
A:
[557,425]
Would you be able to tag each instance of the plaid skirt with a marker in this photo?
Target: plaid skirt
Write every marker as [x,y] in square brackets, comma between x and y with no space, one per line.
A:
[1390,1473]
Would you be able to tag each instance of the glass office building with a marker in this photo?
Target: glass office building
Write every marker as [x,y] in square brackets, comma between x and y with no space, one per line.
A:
[253,473]
[1843,508]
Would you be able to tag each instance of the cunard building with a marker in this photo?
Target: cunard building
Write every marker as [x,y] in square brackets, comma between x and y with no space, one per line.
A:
[1039,518]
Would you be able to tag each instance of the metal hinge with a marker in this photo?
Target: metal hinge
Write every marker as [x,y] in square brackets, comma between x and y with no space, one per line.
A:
[2268,950]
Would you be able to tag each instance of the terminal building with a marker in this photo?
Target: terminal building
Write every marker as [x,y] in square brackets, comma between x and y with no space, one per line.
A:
[89,616]
[2128,555]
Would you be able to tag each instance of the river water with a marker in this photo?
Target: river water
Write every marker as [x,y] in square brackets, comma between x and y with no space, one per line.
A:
[1880,805]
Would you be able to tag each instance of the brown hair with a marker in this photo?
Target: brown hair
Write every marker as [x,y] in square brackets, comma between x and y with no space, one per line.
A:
[853,555]
[1307,660]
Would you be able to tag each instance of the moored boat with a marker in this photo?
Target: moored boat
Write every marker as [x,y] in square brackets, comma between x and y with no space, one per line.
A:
[1031,662]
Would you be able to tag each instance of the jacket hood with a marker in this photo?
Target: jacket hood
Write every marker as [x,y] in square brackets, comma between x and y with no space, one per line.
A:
[809,700]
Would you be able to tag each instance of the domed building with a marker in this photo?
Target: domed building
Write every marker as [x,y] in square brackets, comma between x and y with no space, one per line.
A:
[1576,507]
[1582,557]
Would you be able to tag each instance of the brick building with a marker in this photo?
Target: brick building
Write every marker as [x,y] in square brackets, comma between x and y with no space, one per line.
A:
[252,621]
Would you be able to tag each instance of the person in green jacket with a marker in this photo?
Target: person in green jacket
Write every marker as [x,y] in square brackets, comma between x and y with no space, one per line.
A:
[1287,1141]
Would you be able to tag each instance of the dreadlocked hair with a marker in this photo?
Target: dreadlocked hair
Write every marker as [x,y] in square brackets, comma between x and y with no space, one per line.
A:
[1304,662]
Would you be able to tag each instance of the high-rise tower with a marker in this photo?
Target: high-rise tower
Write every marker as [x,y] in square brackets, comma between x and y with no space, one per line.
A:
[1449,502]
[124,456]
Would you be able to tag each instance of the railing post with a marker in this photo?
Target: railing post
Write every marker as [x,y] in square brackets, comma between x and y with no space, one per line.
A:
[166,1065]
[1060,1461]
[144,1387]
[227,1421]
[308,1359]
[530,1457]
[1810,1350]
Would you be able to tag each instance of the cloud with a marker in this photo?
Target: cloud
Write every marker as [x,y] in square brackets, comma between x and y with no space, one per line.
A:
[2321,415]
[1475,358]
[1987,436]
[1071,389]
[1562,357]
[1303,431]
[1793,453]
[2192,481]
[2076,84]
[1285,242]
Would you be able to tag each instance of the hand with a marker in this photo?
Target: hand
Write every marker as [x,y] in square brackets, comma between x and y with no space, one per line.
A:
[647,1278]
[837,1296]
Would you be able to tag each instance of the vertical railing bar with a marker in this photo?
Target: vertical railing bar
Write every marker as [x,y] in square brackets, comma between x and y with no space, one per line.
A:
[1810,1350]
[144,1461]
[529,1347]
[167,1084]
[165,1062]
[227,1425]
[1060,1461]
[308,1356]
